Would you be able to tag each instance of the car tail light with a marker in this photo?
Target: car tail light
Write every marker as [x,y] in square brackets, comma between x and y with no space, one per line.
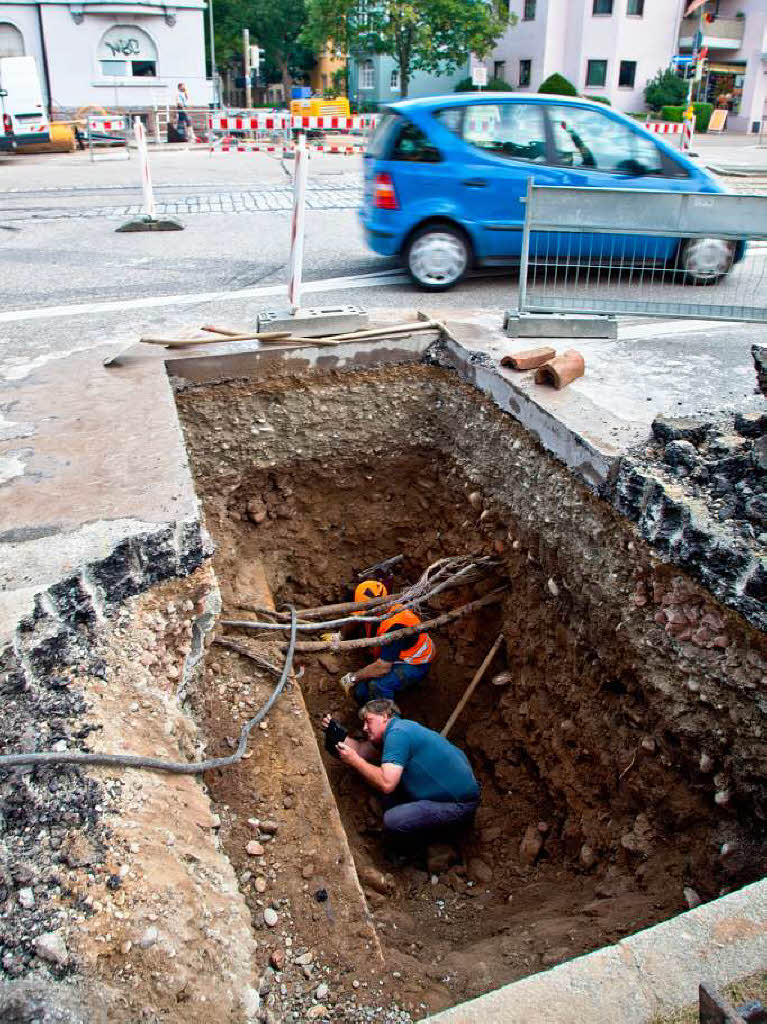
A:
[7,124]
[385,196]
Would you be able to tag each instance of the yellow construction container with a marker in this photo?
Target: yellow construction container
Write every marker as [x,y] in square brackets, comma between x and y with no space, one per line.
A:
[61,140]
[318,107]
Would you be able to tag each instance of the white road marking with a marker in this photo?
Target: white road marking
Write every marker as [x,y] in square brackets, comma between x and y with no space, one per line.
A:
[331,284]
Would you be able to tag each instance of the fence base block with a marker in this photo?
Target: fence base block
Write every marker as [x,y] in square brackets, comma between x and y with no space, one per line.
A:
[150,224]
[559,325]
[313,323]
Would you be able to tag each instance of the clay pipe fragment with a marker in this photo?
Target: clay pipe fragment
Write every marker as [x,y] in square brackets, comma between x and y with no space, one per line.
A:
[529,359]
[562,370]
[472,685]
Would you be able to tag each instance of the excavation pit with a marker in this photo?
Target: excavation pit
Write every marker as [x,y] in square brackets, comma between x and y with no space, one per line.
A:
[620,772]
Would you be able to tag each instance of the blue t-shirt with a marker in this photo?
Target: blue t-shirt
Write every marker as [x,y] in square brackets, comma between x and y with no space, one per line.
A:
[433,769]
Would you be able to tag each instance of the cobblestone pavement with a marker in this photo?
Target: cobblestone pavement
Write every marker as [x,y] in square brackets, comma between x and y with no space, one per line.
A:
[76,202]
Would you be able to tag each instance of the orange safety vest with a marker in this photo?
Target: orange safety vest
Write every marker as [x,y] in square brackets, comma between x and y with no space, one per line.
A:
[423,650]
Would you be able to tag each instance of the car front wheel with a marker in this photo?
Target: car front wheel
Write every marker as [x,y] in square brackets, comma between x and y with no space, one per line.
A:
[437,257]
[706,260]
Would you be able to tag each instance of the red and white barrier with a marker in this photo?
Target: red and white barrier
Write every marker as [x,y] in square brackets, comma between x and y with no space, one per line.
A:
[300,175]
[146,175]
[259,122]
[107,124]
[688,129]
[664,127]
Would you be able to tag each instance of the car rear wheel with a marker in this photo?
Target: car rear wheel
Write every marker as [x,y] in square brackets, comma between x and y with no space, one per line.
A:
[706,260]
[437,257]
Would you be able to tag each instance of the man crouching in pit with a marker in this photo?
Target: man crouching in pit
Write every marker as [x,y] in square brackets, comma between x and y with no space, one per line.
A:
[428,785]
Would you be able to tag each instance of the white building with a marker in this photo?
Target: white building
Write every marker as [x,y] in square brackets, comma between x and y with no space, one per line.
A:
[128,54]
[735,71]
[606,48]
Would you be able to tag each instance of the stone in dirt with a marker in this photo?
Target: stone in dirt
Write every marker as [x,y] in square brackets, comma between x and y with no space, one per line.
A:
[270,827]
[322,992]
[51,947]
[317,1012]
[480,871]
[254,849]
[376,880]
[270,917]
[277,959]
[260,884]
[692,899]
[531,845]
[149,937]
[78,851]
[439,857]
[307,871]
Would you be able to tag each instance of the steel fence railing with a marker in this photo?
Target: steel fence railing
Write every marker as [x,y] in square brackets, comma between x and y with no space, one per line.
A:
[612,251]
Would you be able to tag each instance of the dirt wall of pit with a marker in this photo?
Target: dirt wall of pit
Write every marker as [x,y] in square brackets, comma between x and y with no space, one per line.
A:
[609,696]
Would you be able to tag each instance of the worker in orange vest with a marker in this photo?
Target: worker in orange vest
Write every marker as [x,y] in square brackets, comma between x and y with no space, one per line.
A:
[400,664]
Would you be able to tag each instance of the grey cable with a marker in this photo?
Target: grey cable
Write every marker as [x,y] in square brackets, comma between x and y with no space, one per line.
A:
[157,763]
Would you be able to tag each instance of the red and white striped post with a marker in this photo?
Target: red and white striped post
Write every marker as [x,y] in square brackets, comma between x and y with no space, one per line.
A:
[146,175]
[688,127]
[300,175]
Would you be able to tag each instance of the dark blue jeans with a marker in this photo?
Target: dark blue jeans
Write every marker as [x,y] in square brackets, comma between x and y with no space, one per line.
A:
[399,678]
[426,819]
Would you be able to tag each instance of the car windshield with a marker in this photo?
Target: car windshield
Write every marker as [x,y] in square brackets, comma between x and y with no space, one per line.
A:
[380,140]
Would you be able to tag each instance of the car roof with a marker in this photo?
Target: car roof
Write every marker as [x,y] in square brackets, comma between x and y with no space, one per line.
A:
[464,99]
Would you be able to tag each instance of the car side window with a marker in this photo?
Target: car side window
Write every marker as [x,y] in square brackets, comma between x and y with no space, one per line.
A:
[413,145]
[451,118]
[512,130]
[589,138]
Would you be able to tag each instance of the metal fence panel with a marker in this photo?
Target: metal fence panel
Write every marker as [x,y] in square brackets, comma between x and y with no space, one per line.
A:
[609,251]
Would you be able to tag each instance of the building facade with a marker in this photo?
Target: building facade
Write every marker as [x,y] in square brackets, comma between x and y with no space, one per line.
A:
[120,55]
[374,81]
[606,48]
[735,71]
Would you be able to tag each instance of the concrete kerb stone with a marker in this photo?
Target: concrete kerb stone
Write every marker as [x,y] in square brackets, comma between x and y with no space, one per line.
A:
[653,972]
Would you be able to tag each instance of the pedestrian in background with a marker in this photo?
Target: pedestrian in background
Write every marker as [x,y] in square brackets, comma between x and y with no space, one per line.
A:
[182,117]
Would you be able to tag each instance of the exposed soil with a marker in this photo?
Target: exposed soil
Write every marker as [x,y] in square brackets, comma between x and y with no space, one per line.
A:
[591,827]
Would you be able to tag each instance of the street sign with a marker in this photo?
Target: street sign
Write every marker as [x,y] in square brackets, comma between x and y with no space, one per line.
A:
[479,76]
[679,58]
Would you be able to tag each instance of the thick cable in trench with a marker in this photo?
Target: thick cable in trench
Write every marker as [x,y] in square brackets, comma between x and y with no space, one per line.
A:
[157,763]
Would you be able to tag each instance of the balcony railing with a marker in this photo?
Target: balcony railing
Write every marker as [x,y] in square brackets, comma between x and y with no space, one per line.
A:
[722,34]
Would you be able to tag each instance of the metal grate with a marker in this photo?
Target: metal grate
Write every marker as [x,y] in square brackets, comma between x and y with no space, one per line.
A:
[612,251]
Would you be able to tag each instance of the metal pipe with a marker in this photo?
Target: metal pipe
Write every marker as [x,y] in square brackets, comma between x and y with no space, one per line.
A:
[44,53]
[524,256]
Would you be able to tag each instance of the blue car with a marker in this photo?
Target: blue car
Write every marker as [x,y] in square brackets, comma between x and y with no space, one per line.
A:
[446,177]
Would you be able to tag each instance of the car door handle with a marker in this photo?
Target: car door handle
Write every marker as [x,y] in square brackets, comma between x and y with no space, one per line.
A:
[475,183]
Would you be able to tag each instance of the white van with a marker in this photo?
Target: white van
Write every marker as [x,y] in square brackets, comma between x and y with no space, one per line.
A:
[24,118]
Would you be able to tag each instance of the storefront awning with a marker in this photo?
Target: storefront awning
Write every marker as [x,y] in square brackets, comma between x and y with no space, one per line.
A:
[728,69]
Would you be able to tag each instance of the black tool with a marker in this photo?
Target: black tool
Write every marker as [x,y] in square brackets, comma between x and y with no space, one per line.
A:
[334,734]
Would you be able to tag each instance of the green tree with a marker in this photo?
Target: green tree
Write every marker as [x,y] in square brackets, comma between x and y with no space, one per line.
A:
[558,85]
[275,25]
[667,89]
[421,35]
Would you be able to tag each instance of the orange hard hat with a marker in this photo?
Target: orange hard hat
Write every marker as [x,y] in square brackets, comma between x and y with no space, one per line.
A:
[369,589]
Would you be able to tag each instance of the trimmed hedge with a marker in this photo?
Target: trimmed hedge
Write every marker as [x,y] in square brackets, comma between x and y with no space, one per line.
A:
[598,99]
[702,111]
[493,85]
[674,114]
[557,85]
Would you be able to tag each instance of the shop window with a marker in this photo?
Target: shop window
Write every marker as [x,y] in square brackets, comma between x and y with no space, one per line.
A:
[525,72]
[127,51]
[627,74]
[596,73]
[11,41]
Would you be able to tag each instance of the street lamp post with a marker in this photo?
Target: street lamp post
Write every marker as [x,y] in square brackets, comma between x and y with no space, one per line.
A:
[213,73]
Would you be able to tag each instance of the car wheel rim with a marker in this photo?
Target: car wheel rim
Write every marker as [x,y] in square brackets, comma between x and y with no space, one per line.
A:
[438,258]
[707,258]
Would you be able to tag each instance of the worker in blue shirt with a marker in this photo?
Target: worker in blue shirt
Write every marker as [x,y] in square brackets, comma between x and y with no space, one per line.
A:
[428,782]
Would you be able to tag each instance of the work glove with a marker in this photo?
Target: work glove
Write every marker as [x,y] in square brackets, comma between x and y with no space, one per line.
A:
[348,682]
[330,638]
